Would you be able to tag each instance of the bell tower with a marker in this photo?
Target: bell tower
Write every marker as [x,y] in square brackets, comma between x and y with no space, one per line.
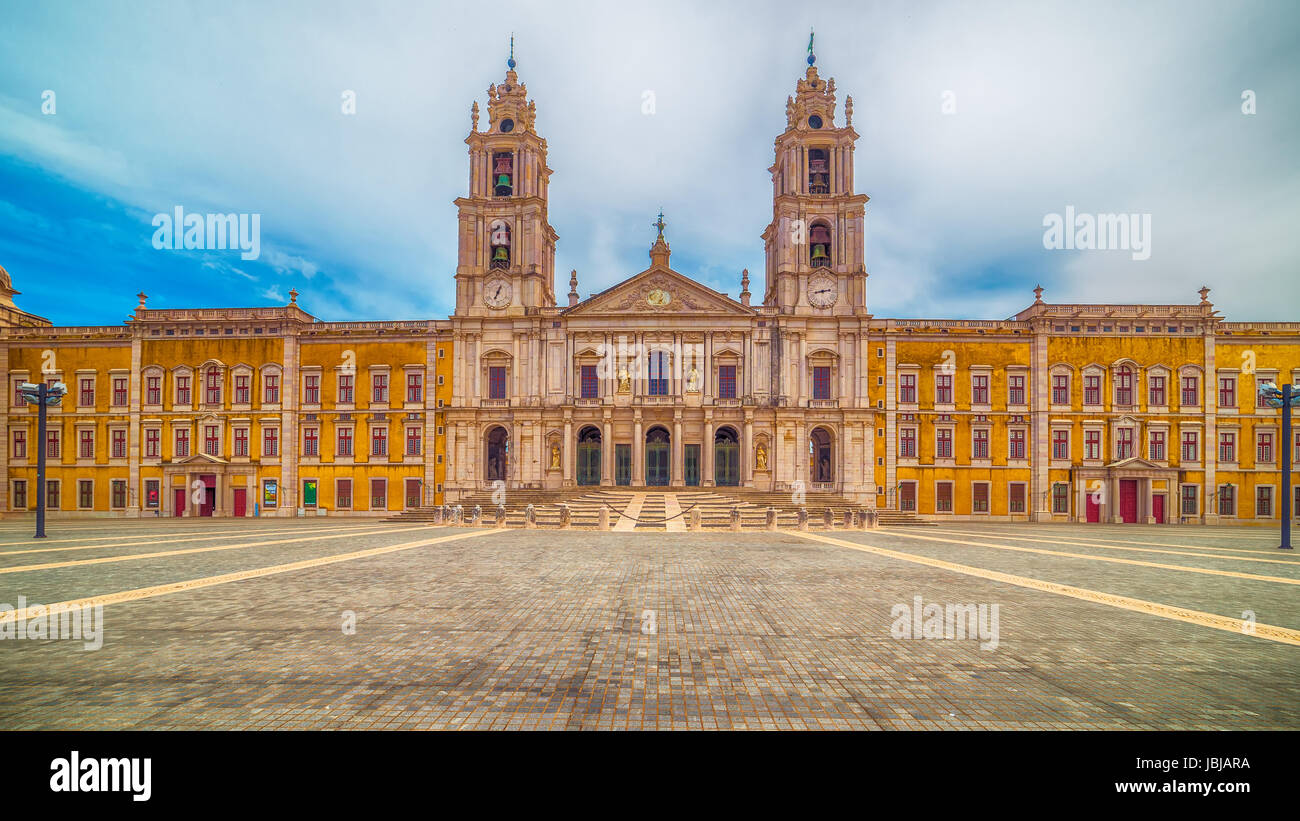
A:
[814,244]
[506,262]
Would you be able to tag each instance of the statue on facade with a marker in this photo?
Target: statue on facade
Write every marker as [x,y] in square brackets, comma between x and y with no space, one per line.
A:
[760,457]
[624,380]
[693,380]
[555,456]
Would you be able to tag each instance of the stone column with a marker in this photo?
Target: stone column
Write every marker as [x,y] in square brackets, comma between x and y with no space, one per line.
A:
[747,451]
[706,451]
[638,452]
[607,453]
[568,452]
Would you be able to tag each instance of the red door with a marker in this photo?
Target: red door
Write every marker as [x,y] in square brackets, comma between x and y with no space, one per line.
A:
[1128,500]
[178,496]
[240,503]
[1158,508]
[1093,509]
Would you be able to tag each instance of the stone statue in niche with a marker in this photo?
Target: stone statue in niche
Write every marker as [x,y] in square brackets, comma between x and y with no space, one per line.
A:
[624,380]
[760,457]
[693,380]
[555,456]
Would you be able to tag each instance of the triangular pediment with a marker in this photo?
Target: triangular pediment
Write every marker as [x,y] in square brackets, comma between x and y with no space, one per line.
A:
[659,291]
[199,458]
[1135,463]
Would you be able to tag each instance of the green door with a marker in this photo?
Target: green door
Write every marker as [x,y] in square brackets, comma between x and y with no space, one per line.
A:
[693,465]
[656,463]
[309,493]
[726,463]
[589,463]
[623,464]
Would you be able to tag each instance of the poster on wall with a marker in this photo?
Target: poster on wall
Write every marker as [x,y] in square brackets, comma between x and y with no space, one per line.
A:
[270,489]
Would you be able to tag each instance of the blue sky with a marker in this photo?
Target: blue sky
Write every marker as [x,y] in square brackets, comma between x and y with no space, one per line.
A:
[236,108]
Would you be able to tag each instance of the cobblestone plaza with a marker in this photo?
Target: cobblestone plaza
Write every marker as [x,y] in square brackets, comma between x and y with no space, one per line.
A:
[262,624]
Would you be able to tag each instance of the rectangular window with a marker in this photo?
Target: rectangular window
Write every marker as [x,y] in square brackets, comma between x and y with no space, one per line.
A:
[1189,500]
[1016,498]
[1124,387]
[1016,442]
[1156,446]
[1156,391]
[211,440]
[907,388]
[182,390]
[20,494]
[1264,447]
[182,448]
[270,442]
[497,382]
[979,392]
[241,442]
[310,442]
[20,444]
[52,444]
[152,443]
[87,398]
[1124,443]
[1092,389]
[1191,447]
[85,494]
[907,443]
[1060,389]
[212,388]
[1060,444]
[343,494]
[271,389]
[943,443]
[345,389]
[379,388]
[241,390]
[152,493]
[943,497]
[119,391]
[311,389]
[87,446]
[727,381]
[980,497]
[658,373]
[943,389]
[345,442]
[1092,444]
[117,493]
[1227,500]
[1190,391]
[1227,392]
[980,443]
[153,390]
[1016,390]
[822,382]
[1264,502]
[590,385]
[379,441]
[1227,447]
[119,444]
[1060,498]
[414,387]
[51,495]
[378,494]
[413,441]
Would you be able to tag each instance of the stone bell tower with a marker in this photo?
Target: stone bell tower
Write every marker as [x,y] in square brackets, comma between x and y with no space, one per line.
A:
[506,262]
[814,243]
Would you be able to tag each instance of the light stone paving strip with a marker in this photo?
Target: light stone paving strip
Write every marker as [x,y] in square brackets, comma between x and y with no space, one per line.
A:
[1104,546]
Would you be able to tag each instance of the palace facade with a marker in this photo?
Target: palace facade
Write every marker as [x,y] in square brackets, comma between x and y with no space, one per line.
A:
[1109,413]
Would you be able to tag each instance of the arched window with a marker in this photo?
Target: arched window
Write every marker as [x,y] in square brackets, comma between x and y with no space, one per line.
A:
[500,243]
[498,454]
[819,177]
[503,173]
[819,240]
[821,455]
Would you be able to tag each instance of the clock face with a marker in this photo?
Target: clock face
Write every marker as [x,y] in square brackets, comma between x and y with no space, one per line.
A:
[496,292]
[659,297]
[823,290]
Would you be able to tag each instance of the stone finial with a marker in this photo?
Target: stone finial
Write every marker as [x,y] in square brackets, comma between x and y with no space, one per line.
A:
[293,296]
[473,117]
[1205,295]
[142,296]
[573,287]
[848,111]
[1038,295]
[744,286]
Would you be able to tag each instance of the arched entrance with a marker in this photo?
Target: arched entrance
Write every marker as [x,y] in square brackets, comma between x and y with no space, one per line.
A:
[589,456]
[498,454]
[821,456]
[658,468]
[726,457]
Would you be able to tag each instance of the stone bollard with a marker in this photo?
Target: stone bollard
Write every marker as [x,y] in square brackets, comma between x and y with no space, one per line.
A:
[530,516]
[735,519]
[564,517]
[873,519]
[848,519]
[437,515]
[460,514]
[803,518]
[501,515]
[602,518]
[476,515]
[693,519]
[828,519]
[771,518]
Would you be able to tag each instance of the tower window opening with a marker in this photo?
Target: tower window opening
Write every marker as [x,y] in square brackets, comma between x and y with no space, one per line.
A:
[500,242]
[820,240]
[503,173]
[819,177]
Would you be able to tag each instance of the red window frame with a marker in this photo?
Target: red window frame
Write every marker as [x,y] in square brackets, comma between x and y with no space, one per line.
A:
[152,443]
[589,384]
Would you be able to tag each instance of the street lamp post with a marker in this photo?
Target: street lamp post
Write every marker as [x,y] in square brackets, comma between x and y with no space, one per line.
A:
[1283,398]
[42,396]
